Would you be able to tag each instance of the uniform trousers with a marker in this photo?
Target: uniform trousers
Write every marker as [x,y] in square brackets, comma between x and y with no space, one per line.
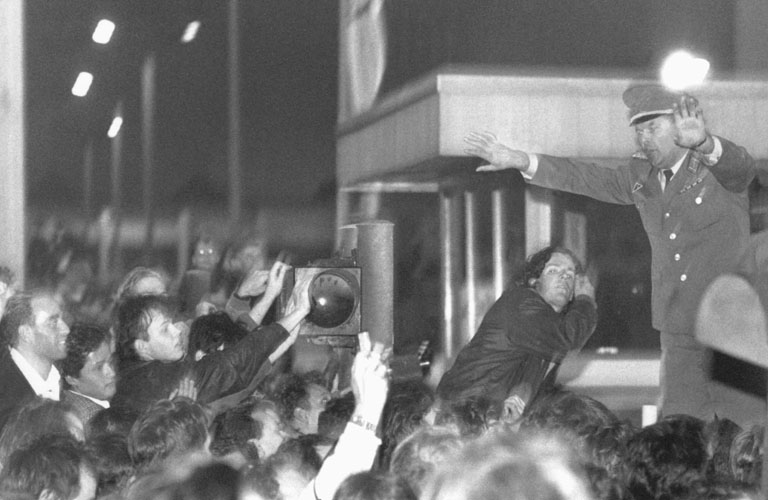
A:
[686,384]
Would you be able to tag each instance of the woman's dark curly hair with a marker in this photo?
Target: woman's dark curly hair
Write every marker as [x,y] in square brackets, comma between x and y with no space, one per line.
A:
[535,264]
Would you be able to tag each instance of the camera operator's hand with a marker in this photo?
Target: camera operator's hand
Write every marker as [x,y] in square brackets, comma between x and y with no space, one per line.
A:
[298,304]
[254,284]
[276,279]
[270,284]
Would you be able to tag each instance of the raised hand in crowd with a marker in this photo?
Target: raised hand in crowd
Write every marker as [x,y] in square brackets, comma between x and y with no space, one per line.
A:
[186,389]
[369,380]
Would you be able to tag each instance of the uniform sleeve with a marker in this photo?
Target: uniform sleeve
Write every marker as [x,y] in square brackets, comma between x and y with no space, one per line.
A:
[735,168]
[611,185]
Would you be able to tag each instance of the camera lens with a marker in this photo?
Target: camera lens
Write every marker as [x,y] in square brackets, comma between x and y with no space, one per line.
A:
[333,297]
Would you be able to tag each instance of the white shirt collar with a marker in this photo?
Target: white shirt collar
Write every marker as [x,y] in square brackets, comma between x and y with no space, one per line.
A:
[49,388]
[100,402]
[676,166]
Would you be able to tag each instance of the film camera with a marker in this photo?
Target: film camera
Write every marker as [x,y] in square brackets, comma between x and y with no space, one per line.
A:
[335,294]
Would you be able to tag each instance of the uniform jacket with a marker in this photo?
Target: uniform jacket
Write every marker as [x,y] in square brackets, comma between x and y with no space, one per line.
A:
[140,383]
[518,339]
[14,388]
[698,226]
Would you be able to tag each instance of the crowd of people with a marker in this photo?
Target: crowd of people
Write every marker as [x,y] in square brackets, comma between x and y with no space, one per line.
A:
[182,390]
[159,404]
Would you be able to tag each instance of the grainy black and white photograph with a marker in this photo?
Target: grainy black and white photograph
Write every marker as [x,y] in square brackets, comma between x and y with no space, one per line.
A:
[383,249]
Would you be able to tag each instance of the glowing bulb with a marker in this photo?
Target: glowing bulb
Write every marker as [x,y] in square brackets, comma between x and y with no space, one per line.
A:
[103,32]
[114,128]
[190,32]
[681,71]
[82,84]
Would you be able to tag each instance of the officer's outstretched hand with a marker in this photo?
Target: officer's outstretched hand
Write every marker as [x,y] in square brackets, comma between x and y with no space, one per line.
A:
[501,157]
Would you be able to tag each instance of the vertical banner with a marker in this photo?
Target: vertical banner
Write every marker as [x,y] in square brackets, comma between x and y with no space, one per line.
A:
[362,55]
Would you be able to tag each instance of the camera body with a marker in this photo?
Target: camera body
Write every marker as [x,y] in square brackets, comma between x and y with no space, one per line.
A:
[335,295]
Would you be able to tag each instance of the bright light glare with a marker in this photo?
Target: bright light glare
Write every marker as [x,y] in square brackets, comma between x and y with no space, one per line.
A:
[114,128]
[82,84]
[681,71]
[103,32]
[190,32]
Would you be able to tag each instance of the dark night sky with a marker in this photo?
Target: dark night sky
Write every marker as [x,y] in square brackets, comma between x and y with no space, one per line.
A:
[288,81]
[288,100]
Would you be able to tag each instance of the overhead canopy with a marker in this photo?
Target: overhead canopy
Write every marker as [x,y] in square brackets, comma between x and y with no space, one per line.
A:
[417,133]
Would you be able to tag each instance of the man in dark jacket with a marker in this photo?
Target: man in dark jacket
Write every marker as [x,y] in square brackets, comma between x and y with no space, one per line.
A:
[153,359]
[526,334]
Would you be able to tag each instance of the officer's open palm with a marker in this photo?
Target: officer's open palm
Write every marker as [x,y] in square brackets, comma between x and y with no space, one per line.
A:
[501,157]
[689,120]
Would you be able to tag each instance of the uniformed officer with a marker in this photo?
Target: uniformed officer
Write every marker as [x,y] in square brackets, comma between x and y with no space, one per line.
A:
[690,189]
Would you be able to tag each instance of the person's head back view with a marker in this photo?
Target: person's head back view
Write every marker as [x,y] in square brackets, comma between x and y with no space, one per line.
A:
[51,467]
[500,466]
[374,486]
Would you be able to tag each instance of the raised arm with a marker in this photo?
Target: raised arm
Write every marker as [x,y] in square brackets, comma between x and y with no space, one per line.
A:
[357,446]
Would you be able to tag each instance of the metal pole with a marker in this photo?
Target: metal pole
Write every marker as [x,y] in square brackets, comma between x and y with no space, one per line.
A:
[116,198]
[148,149]
[88,182]
[375,247]
[470,264]
[499,222]
[450,219]
[235,202]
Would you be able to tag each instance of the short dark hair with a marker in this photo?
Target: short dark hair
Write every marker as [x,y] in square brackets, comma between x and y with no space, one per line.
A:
[50,463]
[535,264]
[292,391]
[111,461]
[561,409]
[83,339]
[116,419]
[233,430]
[18,312]
[133,319]
[667,458]
[167,428]
[207,333]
